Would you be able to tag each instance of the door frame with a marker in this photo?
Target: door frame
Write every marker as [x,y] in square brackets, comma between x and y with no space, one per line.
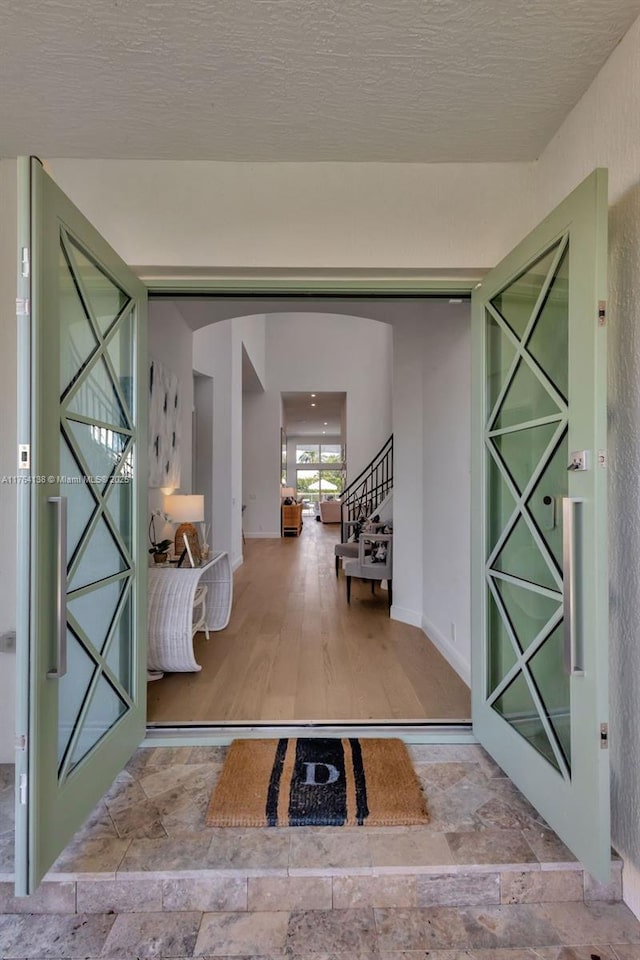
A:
[317,284]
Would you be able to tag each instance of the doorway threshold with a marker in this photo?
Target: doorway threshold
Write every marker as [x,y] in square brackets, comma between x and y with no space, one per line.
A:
[221,734]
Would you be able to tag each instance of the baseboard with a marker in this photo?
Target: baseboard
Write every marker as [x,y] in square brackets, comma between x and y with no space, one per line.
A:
[448,651]
[262,536]
[631,886]
[404,615]
[237,563]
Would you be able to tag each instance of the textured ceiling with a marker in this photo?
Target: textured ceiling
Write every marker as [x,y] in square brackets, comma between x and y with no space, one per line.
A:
[299,80]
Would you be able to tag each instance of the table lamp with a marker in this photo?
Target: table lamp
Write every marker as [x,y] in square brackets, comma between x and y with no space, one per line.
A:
[185,510]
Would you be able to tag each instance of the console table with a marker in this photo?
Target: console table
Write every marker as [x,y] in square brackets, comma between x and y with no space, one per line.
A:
[291,519]
[171,595]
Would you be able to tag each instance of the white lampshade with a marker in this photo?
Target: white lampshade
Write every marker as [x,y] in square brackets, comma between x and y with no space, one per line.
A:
[185,508]
[288,491]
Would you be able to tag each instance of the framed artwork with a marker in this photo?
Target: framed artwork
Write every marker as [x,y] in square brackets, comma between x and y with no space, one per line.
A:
[164,435]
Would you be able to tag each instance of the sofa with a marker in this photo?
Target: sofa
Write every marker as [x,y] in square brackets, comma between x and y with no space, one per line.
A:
[330,511]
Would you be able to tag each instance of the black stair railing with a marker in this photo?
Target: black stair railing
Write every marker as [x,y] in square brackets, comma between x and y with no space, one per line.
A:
[364,494]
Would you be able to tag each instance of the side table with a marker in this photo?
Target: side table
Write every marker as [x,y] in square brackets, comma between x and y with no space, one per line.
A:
[171,595]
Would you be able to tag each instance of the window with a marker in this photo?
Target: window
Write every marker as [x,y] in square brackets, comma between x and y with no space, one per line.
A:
[320,471]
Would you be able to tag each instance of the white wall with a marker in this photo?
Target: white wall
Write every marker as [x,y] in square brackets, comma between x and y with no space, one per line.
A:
[370,215]
[170,342]
[8,449]
[604,130]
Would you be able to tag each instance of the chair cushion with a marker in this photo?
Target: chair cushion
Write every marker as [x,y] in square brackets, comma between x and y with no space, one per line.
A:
[346,549]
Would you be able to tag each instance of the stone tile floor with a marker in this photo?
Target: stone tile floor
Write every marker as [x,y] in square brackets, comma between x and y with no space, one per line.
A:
[144,877]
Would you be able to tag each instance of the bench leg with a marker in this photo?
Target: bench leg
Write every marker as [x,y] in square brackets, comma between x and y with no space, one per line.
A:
[337,566]
[348,589]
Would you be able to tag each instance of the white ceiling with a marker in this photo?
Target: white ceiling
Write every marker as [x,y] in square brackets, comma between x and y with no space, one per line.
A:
[304,415]
[299,80]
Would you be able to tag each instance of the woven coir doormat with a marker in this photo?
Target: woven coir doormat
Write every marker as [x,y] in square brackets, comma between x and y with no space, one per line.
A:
[317,782]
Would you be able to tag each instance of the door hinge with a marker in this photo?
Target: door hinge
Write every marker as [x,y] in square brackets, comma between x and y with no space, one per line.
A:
[22,307]
[25,265]
[602,313]
[604,736]
[23,789]
[602,458]
[24,456]
[21,742]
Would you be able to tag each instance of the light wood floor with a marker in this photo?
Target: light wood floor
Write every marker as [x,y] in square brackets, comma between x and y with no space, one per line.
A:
[295,651]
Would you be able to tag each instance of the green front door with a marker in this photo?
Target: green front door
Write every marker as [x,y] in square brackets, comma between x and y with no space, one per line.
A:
[539,548]
[82,602]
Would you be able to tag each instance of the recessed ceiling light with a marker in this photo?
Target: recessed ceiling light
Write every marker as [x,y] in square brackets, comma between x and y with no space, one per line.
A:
[313,394]
[324,431]
[326,424]
[313,404]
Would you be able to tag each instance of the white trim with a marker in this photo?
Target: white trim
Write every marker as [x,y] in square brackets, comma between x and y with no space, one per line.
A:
[262,536]
[404,615]
[448,651]
[631,885]
[237,563]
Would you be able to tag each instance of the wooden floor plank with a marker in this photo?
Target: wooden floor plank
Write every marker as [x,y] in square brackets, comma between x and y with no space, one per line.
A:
[295,650]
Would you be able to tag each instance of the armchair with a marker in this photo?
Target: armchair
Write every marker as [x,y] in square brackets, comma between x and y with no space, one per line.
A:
[349,549]
[367,567]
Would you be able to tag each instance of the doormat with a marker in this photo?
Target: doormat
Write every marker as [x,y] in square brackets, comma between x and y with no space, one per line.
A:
[317,782]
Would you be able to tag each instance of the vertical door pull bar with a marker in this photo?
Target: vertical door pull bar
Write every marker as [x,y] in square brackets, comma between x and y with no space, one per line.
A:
[61,588]
[572,662]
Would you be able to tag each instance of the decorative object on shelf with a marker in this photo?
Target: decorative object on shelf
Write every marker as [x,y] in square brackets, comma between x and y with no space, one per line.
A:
[204,546]
[186,510]
[164,435]
[159,550]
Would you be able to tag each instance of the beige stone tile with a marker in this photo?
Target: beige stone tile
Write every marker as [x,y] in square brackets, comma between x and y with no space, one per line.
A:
[166,855]
[583,923]
[547,847]
[623,952]
[48,898]
[212,755]
[490,846]
[410,850]
[611,891]
[91,856]
[380,891]
[290,893]
[494,954]
[98,824]
[445,775]
[183,777]
[205,894]
[539,886]
[580,953]
[61,937]
[497,813]
[135,936]
[119,896]
[471,928]
[327,852]
[450,813]
[248,851]
[242,934]
[343,931]
[458,889]
[6,854]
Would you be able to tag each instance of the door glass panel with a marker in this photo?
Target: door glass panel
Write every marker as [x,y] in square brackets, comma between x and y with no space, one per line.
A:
[101,558]
[105,298]
[121,356]
[552,682]
[102,449]
[81,503]
[502,656]
[72,691]
[77,339]
[528,611]
[97,398]
[526,399]
[500,503]
[517,707]
[521,450]
[545,502]
[517,302]
[549,342]
[119,652]
[105,710]
[94,611]
[521,557]
[120,506]
[500,355]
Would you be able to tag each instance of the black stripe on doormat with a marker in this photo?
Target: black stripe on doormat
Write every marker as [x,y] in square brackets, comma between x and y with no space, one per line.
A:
[362,810]
[273,791]
[318,793]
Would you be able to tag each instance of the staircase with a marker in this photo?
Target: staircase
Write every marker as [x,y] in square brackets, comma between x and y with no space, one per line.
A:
[365,494]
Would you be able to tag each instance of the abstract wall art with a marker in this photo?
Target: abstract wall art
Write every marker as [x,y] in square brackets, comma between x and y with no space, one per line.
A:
[164,435]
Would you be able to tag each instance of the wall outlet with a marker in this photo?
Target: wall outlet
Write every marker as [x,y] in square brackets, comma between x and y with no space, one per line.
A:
[8,641]
[453,632]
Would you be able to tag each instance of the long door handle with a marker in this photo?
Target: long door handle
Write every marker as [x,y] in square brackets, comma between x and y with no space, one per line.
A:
[572,656]
[61,588]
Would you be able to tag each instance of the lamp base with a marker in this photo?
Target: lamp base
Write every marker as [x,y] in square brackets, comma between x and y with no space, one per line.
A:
[188,530]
